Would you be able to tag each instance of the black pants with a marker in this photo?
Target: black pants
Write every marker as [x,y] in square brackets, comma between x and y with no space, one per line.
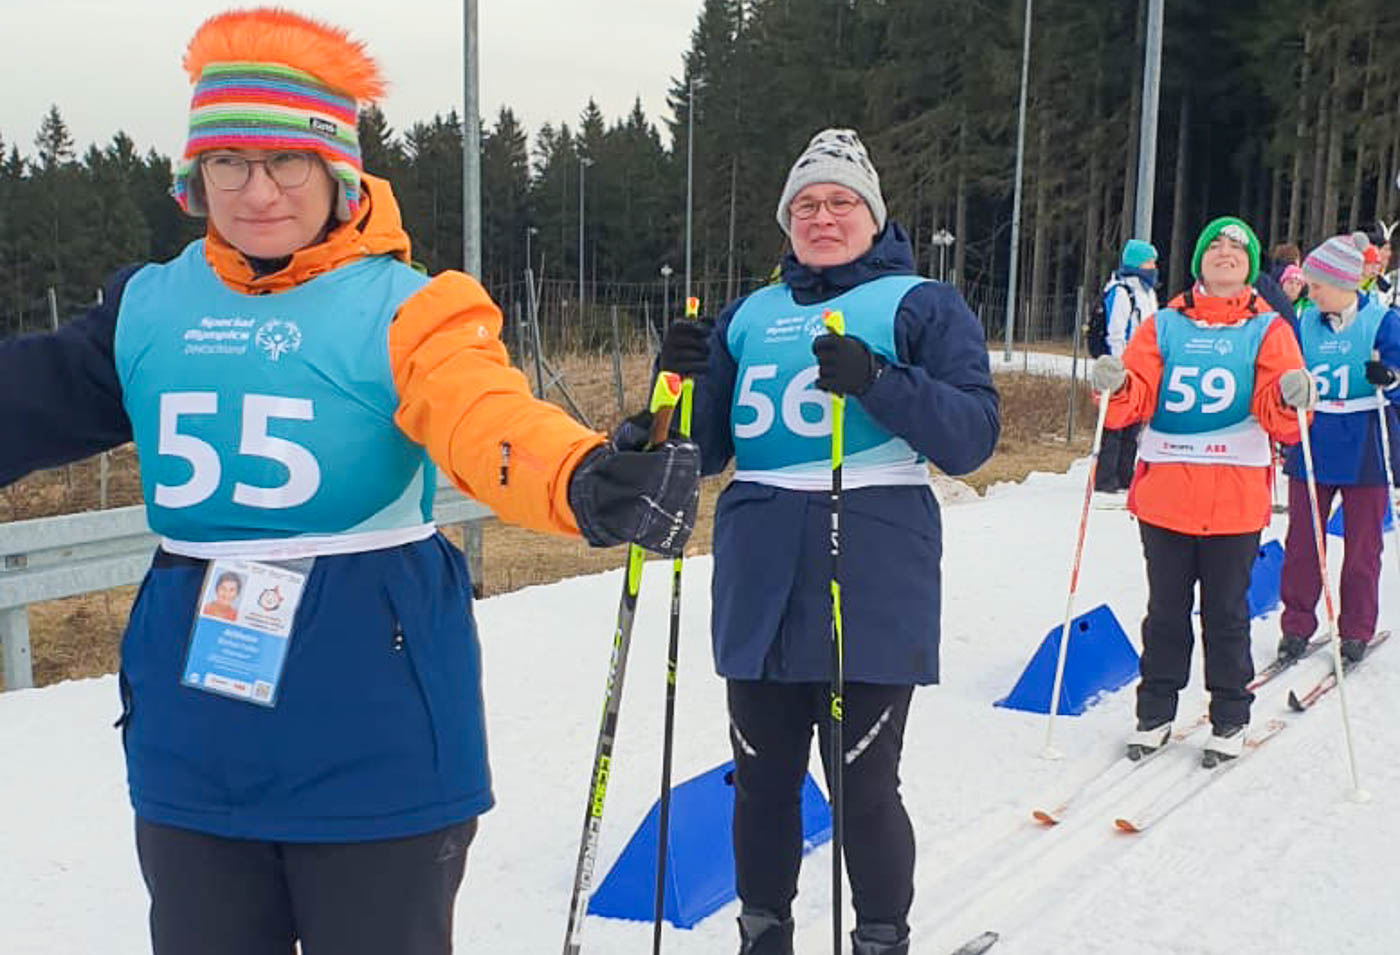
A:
[1117,458]
[771,732]
[216,896]
[1175,563]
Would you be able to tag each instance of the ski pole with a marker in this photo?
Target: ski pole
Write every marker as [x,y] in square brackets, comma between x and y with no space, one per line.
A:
[663,822]
[835,323]
[664,396]
[1050,752]
[1357,793]
[1381,405]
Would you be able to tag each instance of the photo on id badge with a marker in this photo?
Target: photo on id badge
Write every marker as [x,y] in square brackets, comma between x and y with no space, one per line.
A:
[239,640]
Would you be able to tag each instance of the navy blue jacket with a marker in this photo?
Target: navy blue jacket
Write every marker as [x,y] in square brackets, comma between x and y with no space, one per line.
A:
[1346,448]
[771,585]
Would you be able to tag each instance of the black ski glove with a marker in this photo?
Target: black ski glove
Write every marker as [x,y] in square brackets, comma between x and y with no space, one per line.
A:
[1381,376]
[686,348]
[622,494]
[845,365]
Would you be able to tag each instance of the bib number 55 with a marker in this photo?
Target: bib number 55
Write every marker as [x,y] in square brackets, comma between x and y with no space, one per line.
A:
[303,471]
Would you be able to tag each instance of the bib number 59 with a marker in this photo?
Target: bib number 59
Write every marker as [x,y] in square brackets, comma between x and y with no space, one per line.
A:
[206,469]
[1188,384]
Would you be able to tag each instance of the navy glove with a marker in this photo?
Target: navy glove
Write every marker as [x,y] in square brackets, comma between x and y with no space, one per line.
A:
[686,348]
[1379,375]
[845,365]
[621,493]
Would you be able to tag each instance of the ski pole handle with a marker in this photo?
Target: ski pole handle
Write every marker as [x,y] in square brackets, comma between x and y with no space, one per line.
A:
[835,323]
[664,396]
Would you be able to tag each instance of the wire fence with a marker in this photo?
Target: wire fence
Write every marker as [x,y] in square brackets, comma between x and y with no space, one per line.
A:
[642,312]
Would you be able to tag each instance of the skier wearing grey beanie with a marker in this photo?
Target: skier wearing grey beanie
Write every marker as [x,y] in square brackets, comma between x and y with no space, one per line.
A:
[912,364]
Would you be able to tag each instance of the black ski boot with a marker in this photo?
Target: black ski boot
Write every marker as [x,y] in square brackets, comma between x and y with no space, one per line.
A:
[1225,743]
[879,938]
[1291,646]
[1353,649]
[1150,737]
[763,933]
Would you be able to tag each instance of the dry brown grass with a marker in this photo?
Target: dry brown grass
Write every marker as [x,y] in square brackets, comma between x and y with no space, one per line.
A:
[79,637]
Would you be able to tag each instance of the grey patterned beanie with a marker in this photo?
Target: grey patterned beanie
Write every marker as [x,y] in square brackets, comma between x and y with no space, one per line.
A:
[838,156]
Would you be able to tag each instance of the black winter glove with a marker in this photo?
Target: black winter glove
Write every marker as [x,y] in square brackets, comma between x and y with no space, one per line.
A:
[1379,375]
[621,494]
[686,348]
[845,365]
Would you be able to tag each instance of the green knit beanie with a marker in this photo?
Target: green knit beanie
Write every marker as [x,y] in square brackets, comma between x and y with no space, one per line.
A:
[1233,228]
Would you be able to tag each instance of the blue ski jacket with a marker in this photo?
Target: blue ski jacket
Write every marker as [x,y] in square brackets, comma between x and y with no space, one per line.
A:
[1346,447]
[772,566]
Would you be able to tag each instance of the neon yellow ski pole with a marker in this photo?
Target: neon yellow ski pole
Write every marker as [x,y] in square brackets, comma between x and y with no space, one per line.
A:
[664,396]
[692,311]
[835,323]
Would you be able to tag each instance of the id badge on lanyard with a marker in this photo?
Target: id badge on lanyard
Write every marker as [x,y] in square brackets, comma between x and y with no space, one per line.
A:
[243,627]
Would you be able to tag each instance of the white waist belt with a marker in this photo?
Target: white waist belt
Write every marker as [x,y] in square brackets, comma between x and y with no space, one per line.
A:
[293,548]
[1248,447]
[1348,405]
[819,478]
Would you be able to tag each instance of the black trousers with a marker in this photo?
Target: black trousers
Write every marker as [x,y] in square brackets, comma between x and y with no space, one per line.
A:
[1117,458]
[771,732]
[217,896]
[1175,564]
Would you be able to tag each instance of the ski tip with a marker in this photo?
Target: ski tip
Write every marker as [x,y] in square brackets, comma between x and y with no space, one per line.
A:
[1044,818]
[1125,825]
[978,945]
[1295,704]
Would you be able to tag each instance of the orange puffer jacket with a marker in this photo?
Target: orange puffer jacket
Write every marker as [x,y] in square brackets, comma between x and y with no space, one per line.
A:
[459,397]
[1206,499]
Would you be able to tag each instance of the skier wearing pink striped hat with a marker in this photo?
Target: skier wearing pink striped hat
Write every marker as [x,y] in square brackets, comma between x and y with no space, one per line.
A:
[1351,346]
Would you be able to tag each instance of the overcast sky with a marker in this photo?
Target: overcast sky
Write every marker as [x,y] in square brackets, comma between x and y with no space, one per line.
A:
[115,64]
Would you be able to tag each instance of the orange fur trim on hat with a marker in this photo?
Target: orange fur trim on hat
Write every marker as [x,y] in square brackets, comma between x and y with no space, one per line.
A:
[274,35]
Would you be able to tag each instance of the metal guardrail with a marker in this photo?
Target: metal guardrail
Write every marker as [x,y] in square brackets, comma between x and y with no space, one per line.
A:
[54,557]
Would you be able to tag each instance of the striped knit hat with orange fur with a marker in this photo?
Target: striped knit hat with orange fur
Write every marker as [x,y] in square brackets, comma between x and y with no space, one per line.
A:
[270,79]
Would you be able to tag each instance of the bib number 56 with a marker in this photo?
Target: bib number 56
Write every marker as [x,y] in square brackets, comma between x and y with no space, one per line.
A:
[796,394]
[303,471]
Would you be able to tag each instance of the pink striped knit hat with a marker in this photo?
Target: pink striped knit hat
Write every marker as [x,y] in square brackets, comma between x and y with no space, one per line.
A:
[1337,261]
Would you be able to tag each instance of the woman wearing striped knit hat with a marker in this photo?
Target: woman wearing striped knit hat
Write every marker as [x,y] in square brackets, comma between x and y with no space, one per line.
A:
[311,771]
[1351,344]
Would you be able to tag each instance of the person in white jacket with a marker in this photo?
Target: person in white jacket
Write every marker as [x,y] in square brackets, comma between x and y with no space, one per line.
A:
[1129,297]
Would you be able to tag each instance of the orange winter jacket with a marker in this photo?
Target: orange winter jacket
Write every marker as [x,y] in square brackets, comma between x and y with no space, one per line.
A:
[458,395]
[1206,499]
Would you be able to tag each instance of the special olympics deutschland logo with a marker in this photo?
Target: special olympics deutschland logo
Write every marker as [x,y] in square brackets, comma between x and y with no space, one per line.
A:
[277,338]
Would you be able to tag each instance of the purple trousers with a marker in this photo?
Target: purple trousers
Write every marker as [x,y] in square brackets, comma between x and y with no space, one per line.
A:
[1301,583]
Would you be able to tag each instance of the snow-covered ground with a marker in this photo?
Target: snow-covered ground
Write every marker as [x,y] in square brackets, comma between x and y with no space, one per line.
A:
[1273,858]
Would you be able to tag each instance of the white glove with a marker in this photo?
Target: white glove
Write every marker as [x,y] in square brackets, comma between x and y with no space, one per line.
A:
[1298,389]
[1107,374]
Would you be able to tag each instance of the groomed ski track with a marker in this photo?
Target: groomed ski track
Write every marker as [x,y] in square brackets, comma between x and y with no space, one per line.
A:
[1269,859]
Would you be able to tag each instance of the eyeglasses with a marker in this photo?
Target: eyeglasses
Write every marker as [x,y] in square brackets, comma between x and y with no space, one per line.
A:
[230,172]
[839,206]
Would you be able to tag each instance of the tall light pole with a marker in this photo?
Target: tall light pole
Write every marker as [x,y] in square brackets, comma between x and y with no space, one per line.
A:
[529,231]
[1147,135]
[689,179]
[666,271]
[471,147]
[583,163]
[1016,202]
[943,239]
